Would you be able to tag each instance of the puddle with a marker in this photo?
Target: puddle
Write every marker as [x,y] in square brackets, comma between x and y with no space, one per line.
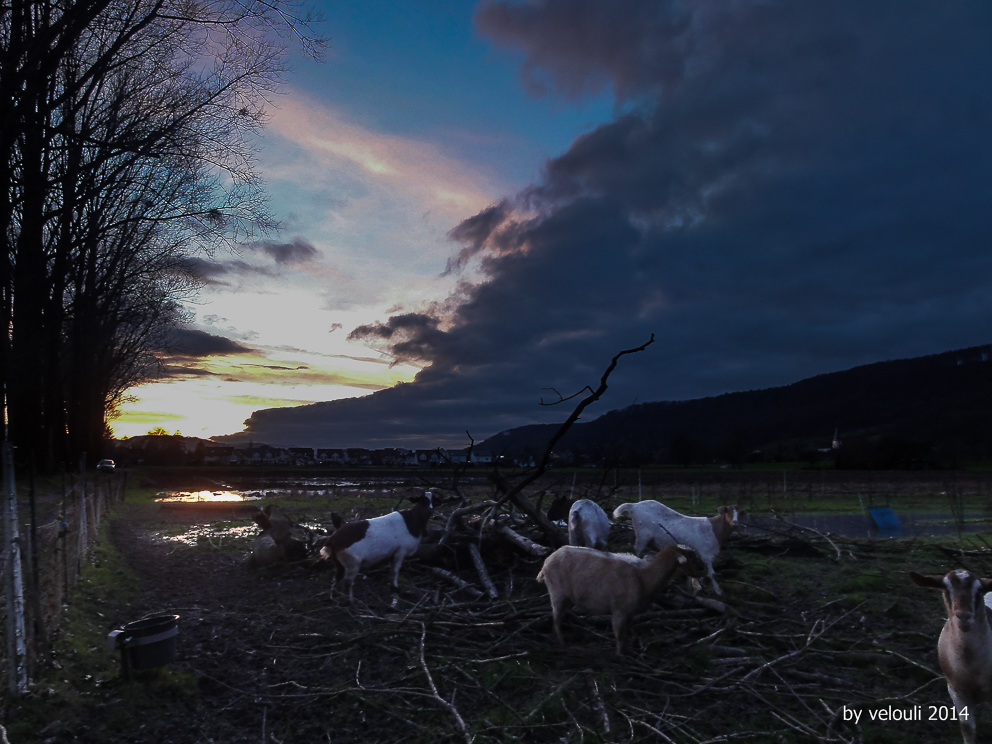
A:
[217,535]
[190,497]
[222,534]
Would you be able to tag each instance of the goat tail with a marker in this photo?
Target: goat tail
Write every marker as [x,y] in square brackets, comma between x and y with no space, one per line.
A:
[540,576]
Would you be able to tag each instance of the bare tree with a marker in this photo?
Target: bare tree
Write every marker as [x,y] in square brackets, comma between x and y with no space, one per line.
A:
[128,147]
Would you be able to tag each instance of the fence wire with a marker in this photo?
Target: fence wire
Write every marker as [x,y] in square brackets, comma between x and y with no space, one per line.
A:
[52,551]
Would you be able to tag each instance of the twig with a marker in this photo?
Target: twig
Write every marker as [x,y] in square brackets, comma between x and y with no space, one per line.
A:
[824,535]
[498,658]
[598,705]
[924,667]
[813,635]
[555,693]
[653,730]
[444,703]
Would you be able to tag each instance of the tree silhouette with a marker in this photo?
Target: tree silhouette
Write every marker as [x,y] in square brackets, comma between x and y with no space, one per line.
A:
[125,148]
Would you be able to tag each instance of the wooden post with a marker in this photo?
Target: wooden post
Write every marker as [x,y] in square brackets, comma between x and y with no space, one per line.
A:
[82,531]
[16,643]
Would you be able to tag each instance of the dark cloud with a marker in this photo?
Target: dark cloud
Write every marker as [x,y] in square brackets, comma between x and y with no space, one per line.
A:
[576,47]
[474,233]
[186,348]
[204,270]
[409,337]
[169,371]
[192,343]
[787,189]
[298,250]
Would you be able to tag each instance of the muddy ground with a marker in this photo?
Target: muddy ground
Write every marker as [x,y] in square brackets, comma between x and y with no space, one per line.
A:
[811,631]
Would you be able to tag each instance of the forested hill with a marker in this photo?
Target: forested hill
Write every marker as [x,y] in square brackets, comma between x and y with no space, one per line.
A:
[925,408]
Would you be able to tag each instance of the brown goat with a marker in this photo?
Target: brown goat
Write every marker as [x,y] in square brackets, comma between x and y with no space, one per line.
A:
[614,584]
[965,645]
[281,541]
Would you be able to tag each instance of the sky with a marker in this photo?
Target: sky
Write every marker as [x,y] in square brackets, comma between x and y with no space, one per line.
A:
[483,202]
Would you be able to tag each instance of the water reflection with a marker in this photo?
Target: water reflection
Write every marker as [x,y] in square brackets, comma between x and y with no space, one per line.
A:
[215,535]
[225,534]
[206,496]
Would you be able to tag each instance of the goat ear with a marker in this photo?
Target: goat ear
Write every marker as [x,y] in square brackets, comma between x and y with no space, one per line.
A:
[986,585]
[930,582]
[723,510]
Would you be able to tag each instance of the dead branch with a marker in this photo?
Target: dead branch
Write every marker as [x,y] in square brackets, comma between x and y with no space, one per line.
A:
[480,568]
[514,494]
[554,694]
[598,705]
[458,582]
[526,545]
[450,707]
[457,514]
[814,532]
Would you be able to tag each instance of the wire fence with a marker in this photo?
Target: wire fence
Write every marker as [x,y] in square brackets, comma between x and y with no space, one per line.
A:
[41,561]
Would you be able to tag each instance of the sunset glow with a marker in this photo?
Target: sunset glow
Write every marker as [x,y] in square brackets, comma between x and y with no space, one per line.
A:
[217,394]
[485,200]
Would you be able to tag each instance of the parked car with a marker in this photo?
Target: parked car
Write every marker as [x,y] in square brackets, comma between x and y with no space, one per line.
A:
[106,466]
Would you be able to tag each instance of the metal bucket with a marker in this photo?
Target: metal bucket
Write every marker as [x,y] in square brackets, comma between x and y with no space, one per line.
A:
[146,644]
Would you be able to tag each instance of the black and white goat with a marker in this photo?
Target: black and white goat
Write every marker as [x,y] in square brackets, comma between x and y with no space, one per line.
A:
[365,542]
[965,645]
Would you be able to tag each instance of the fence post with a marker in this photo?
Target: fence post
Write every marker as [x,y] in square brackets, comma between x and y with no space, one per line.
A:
[81,516]
[16,643]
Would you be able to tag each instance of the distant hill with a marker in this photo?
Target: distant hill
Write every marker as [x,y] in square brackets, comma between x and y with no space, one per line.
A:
[931,410]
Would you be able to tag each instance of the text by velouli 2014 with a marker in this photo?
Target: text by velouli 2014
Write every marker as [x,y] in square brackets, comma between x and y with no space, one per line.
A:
[905,713]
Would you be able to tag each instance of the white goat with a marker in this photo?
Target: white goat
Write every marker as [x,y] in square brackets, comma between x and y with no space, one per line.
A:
[607,583]
[365,542]
[588,525]
[965,645]
[656,524]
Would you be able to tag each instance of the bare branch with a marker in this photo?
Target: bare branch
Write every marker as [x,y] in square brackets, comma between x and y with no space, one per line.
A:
[514,493]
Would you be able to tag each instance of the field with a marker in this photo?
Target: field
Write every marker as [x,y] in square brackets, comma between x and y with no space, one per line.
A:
[813,630]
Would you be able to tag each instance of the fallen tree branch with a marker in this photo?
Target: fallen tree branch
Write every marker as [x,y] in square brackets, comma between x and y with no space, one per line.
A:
[525,544]
[457,515]
[480,568]
[457,581]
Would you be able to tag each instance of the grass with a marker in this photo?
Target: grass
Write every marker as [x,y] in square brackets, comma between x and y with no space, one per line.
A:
[81,674]
[882,643]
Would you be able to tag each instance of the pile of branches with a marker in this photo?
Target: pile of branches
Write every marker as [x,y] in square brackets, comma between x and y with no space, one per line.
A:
[469,662]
